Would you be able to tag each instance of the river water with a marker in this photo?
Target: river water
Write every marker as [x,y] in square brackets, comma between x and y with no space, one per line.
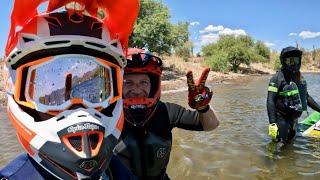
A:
[238,149]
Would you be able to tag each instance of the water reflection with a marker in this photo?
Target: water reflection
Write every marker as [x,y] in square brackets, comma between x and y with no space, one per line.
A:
[239,149]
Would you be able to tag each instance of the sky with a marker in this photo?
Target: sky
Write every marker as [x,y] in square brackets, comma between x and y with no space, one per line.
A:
[278,23]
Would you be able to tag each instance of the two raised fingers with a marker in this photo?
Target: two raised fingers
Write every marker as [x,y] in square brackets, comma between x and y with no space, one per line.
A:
[201,81]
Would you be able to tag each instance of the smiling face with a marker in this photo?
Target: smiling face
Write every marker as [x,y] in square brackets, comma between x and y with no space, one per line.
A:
[136,85]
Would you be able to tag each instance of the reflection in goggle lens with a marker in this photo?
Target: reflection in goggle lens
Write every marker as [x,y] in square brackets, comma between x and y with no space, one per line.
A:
[67,77]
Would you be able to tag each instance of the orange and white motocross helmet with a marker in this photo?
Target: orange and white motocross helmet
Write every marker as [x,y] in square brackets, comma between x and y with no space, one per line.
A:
[139,110]
[64,87]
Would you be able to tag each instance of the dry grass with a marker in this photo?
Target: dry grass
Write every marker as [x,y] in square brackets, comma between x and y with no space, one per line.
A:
[178,64]
[2,85]
[309,64]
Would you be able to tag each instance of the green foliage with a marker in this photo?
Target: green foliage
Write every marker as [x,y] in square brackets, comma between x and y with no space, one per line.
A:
[246,40]
[154,31]
[277,64]
[209,49]
[218,62]
[262,50]
[184,51]
[180,34]
[236,50]
[237,55]
[256,58]
[275,60]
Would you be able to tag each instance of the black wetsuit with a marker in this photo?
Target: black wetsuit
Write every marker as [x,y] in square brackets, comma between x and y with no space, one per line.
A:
[286,103]
[146,150]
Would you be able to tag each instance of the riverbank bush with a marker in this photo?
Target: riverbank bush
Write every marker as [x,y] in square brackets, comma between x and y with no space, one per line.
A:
[218,62]
[234,50]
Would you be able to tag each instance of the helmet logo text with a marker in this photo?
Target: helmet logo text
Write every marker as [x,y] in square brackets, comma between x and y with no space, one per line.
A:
[81,127]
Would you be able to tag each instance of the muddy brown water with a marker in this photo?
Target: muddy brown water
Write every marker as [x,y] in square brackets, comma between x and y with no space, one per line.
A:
[238,149]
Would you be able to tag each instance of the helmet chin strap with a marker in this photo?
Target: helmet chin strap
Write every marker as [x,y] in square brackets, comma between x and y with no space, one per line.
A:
[138,115]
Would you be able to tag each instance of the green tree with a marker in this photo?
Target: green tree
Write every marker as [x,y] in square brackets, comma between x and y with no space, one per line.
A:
[247,41]
[182,45]
[154,31]
[262,49]
[180,33]
[209,50]
[218,62]
[234,50]
[184,51]
[237,55]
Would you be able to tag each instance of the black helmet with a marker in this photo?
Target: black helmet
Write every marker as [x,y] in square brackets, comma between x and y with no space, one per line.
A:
[290,58]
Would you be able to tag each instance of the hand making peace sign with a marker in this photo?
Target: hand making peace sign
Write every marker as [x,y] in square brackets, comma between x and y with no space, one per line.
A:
[199,95]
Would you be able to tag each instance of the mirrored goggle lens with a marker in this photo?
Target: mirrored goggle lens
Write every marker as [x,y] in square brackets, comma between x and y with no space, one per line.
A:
[70,76]
[142,59]
[292,60]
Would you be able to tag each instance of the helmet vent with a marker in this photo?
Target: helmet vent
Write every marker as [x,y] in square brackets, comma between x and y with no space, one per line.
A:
[76,142]
[82,116]
[115,44]
[13,56]
[56,42]
[97,115]
[94,139]
[27,39]
[96,44]
[60,118]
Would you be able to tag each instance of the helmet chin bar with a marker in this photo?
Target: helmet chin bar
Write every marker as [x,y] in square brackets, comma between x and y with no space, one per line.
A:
[61,162]
[294,69]
[75,142]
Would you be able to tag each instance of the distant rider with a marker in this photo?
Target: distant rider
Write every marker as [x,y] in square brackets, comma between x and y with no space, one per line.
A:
[287,96]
